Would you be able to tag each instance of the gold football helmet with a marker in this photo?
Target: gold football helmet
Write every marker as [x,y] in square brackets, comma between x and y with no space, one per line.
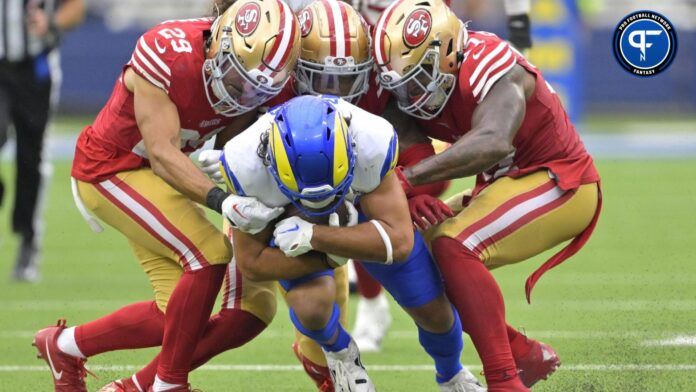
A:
[335,56]
[418,47]
[251,54]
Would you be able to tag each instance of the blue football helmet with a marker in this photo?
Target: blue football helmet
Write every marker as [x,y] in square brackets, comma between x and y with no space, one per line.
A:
[310,154]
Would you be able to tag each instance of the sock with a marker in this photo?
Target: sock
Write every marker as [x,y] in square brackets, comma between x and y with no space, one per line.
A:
[331,338]
[474,292]
[519,344]
[318,373]
[159,385]
[231,328]
[67,343]
[188,311]
[445,349]
[368,287]
[137,325]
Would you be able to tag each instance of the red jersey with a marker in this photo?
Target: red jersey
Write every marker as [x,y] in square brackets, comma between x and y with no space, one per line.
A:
[170,56]
[545,140]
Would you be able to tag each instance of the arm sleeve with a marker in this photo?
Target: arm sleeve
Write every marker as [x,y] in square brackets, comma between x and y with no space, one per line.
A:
[415,154]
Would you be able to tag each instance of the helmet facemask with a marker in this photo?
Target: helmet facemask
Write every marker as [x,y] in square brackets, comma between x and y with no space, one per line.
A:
[230,88]
[348,81]
[424,90]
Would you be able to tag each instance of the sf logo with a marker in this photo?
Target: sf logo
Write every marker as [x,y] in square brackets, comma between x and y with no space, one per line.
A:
[248,18]
[418,27]
[637,39]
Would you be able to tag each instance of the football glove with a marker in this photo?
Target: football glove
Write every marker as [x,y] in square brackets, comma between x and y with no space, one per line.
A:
[293,236]
[427,211]
[209,161]
[248,214]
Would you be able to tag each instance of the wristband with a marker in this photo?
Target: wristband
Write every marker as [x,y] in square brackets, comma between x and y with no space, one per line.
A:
[405,183]
[214,199]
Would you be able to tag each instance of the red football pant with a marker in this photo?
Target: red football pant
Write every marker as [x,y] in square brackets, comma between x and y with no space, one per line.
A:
[475,294]
[368,287]
[188,310]
[229,329]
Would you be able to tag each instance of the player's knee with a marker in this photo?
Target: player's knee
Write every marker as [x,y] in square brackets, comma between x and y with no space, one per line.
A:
[436,316]
[314,313]
[447,249]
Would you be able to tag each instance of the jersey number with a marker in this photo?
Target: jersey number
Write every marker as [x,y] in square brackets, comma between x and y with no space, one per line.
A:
[177,38]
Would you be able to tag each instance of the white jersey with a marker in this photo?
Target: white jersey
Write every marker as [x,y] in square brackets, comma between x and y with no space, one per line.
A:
[376,154]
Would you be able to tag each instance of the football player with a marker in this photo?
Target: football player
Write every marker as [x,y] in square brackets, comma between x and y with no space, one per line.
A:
[316,152]
[536,184]
[187,81]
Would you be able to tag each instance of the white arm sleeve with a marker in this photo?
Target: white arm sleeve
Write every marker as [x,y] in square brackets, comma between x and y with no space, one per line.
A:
[517,7]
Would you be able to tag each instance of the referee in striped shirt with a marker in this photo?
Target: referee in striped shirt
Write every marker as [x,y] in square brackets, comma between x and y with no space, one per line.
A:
[30,31]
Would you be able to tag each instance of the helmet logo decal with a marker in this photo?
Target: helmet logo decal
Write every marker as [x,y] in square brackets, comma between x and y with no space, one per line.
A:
[247,19]
[305,18]
[340,61]
[416,28]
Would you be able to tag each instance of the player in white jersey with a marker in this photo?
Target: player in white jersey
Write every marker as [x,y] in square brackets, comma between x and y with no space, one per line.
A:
[305,153]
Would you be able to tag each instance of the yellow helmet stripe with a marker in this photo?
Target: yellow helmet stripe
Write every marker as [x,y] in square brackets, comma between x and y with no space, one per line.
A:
[340,156]
[285,174]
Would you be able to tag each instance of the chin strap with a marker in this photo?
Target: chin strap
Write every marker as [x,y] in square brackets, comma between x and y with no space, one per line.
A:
[386,240]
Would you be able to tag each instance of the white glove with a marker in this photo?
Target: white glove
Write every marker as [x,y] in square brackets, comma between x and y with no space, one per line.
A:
[209,160]
[293,235]
[248,214]
[334,222]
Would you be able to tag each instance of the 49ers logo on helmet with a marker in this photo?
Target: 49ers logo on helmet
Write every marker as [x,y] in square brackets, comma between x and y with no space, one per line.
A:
[247,18]
[305,22]
[417,28]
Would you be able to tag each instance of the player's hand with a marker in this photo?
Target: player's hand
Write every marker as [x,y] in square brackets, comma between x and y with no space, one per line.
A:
[334,222]
[293,236]
[405,183]
[427,211]
[209,160]
[248,214]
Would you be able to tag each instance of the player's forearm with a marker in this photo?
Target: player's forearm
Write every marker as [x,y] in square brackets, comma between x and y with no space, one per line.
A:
[272,264]
[177,170]
[70,14]
[469,156]
[363,241]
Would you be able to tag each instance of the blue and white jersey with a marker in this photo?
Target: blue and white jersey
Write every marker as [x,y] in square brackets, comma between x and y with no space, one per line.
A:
[376,154]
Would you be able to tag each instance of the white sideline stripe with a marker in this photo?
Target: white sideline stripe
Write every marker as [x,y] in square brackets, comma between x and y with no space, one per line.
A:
[371,368]
[679,341]
[661,338]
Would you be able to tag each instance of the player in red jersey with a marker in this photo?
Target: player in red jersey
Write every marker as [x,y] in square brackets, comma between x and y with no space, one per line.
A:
[536,184]
[186,82]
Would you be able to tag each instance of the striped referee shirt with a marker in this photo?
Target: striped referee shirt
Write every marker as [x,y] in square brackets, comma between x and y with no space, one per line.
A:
[16,44]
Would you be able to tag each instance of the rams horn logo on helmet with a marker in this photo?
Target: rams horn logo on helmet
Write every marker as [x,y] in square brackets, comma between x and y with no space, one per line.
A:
[305,22]
[248,18]
[417,27]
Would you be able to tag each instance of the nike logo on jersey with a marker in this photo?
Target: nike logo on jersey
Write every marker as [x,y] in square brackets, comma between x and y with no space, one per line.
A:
[478,54]
[159,48]
[56,375]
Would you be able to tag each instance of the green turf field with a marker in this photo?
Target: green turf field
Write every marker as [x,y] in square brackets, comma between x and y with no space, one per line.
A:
[606,311]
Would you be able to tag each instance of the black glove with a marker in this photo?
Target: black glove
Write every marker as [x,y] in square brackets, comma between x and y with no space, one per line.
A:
[519,31]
